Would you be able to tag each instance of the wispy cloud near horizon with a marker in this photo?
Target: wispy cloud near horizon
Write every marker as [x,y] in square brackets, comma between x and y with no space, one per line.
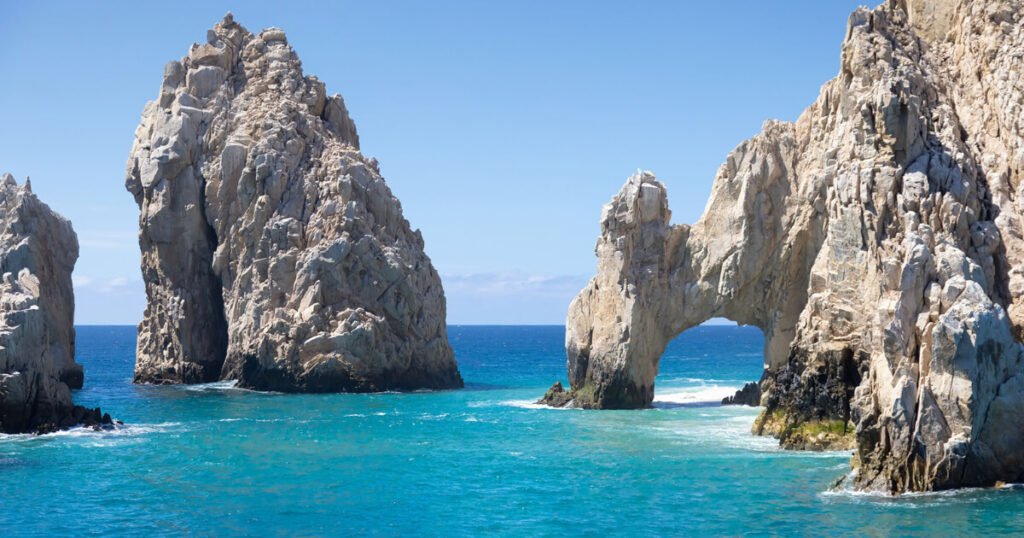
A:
[514,283]
[108,239]
[103,300]
[510,297]
[116,284]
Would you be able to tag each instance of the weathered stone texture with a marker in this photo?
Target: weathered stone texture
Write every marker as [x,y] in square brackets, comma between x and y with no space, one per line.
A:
[38,250]
[272,250]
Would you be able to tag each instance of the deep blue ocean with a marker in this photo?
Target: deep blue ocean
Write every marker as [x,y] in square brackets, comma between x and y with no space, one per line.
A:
[219,461]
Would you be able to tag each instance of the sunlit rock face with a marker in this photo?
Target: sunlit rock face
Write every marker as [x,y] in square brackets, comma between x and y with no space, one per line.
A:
[272,250]
[38,250]
[877,242]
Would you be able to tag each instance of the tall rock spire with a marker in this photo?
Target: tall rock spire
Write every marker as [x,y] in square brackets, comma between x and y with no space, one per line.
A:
[272,250]
[38,250]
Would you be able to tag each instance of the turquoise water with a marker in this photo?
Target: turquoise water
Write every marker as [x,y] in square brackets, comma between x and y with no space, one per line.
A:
[214,460]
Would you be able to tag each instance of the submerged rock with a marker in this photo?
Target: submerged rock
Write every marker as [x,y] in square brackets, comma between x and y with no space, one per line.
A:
[38,250]
[272,250]
[878,243]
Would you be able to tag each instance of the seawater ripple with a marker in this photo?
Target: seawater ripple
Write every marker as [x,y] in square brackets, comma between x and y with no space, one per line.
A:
[217,459]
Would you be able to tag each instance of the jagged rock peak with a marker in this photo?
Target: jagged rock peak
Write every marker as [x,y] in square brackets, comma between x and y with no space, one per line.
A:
[272,250]
[877,242]
[38,250]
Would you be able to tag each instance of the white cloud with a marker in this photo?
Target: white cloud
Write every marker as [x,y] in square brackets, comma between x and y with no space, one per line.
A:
[514,283]
[106,285]
[510,297]
[106,300]
[108,239]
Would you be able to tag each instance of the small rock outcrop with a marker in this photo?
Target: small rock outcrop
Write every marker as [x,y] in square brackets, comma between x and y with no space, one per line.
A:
[879,244]
[749,395]
[557,396]
[272,250]
[38,250]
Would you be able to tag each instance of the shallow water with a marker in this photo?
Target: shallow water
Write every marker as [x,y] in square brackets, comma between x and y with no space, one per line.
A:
[216,460]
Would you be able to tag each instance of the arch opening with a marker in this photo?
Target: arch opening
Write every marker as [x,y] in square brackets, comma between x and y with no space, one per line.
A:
[709,363]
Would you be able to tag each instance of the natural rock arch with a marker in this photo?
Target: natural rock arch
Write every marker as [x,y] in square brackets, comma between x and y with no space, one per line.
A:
[878,242]
[745,260]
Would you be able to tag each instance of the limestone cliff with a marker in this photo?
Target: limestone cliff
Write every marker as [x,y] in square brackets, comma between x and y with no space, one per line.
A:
[38,250]
[877,242]
[272,250]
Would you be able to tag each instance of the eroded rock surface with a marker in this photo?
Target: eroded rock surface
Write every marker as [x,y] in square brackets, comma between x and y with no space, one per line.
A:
[877,242]
[38,250]
[272,250]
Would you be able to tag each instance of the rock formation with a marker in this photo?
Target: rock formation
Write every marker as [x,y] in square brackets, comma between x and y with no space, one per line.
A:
[749,395]
[272,250]
[879,244]
[38,250]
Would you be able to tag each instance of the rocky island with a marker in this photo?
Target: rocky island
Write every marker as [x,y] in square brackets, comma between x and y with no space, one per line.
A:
[273,252]
[879,244]
[38,250]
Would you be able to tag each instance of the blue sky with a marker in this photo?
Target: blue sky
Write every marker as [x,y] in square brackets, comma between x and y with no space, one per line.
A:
[502,126]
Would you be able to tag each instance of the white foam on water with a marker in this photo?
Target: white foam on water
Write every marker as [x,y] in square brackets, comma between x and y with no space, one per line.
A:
[253,419]
[230,384]
[117,434]
[722,433]
[673,396]
[701,380]
[911,500]
[532,404]
[702,394]
[118,430]
[525,404]
[474,418]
